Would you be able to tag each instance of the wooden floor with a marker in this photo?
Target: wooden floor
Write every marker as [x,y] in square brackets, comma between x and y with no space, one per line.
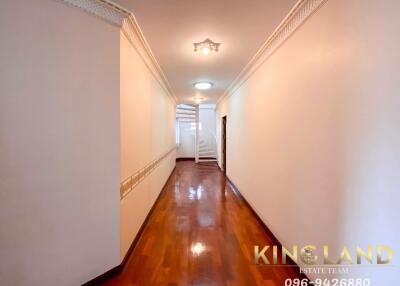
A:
[200,233]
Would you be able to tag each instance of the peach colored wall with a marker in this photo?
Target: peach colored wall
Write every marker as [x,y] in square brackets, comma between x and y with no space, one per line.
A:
[59,144]
[147,133]
[313,136]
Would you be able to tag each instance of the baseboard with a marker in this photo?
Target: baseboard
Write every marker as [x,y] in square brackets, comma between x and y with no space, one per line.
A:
[119,268]
[264,226]
[105,276]
[192,158]
[185,159]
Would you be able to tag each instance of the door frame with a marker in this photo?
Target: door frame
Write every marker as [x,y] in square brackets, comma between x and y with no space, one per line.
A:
[223,143]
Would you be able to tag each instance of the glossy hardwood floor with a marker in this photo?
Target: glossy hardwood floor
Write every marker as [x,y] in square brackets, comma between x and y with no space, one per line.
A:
[200,233]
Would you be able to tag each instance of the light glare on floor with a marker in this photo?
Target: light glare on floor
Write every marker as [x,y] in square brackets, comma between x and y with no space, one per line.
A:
[197,248]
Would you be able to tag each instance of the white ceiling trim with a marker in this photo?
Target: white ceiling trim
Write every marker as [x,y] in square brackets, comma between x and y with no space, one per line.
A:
[121,17]
[106,10]
[301,11]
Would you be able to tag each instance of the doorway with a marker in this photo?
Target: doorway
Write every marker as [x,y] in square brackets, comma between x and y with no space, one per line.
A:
[223,144]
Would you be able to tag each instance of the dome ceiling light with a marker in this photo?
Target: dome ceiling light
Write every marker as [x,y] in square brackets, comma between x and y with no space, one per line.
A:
[203,85]
[206,46]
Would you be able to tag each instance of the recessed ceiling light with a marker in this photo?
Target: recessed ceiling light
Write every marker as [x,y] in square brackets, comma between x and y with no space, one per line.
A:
[203,85]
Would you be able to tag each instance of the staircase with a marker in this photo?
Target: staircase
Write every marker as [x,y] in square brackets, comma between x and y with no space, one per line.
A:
[205,140]
[186,113]
[207,150]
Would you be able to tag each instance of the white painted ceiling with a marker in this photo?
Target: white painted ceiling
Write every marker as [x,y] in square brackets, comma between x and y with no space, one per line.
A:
[172,26]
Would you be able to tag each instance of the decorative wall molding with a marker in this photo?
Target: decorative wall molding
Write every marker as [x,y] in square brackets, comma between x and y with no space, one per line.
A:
[103,9]
[123,18]
[127,185]
[296,17]
[135,36]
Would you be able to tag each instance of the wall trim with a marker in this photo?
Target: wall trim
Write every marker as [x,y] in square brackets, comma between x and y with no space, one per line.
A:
[127,185]
[125,20]
[297,16]
[115,271]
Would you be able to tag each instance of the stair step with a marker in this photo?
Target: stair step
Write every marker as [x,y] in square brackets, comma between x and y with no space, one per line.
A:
[207,160]
[184,116]
[185,111]
[185,108]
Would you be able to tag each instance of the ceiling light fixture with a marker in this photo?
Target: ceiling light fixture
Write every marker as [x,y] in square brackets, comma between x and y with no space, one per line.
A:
[206,46]
[203,85]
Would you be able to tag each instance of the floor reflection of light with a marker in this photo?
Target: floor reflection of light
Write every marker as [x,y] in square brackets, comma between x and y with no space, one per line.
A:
[199,192]
[177,192]
[196,194]
[192,193]
[197,248]
[205,220]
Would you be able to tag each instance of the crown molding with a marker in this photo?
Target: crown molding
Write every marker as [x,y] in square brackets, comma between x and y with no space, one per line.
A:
[135,36]
[298,15]
[125,20]
[106,10]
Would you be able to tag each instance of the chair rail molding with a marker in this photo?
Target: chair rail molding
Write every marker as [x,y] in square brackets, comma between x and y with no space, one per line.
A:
[297,16]
[127,185]
[124,19]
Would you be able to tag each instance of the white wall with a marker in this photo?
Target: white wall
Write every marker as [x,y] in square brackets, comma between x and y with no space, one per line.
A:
[59,144]
[147,133]
[316,131]
[187,135]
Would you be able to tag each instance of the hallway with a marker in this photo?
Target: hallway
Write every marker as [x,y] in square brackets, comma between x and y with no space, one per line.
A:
[200,233]
[168,142]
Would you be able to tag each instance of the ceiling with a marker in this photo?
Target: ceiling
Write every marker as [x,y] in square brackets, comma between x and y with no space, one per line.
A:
[172,26]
